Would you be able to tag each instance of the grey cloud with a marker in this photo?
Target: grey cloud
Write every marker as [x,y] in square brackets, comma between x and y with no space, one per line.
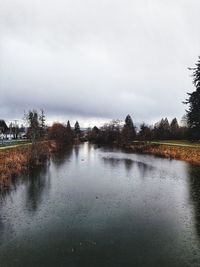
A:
[97,59]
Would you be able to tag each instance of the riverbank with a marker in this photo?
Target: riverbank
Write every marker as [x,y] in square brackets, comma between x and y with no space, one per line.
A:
[19,159]
[174,151]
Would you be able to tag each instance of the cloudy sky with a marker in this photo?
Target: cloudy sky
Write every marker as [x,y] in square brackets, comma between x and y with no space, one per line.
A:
[94,60]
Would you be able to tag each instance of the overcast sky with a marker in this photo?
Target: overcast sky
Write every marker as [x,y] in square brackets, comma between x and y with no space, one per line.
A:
[93,60]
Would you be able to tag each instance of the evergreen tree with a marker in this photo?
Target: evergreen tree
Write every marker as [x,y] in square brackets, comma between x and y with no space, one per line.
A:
[193,113]
[34,125]
[69,129]
[77,128]
[42,123]
[128,131]
[42,119]
[145,132]
[162,130]
[129,122]
[166,128]
[69,132]
[174,129]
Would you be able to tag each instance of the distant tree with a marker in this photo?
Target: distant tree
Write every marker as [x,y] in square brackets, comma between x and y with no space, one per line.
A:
[174,129]
[93,134]
[95,130]
[193,112]
[42,120]
[110,133]
[15,130]
[69,132]
[32,119]
[129,122]
[36,124]
[58,132]
[166,128]
[77,129]
[145,132]
[3,127]
[162,130]
[128,131]
[69,126]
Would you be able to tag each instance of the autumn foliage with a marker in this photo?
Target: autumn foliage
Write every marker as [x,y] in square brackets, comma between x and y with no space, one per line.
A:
[60,133]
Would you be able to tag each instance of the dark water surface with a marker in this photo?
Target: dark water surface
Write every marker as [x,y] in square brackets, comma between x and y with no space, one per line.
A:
[103,207]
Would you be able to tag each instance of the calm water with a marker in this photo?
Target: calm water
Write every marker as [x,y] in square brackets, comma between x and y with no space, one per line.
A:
[102,207]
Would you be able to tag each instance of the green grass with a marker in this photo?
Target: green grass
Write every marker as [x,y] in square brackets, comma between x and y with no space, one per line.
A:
[175,143]
[14,144]
[178,142]
[183,142]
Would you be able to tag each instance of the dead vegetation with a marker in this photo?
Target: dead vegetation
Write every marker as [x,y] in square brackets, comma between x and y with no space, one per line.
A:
[15,161]
[189,154]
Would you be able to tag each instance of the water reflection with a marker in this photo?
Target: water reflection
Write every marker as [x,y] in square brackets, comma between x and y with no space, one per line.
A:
[11,185]
[62,156]
[145,168]
[89,214]
[1,221]
[194,182]
[37,183]
[76,151]
[5,192]
[129,164]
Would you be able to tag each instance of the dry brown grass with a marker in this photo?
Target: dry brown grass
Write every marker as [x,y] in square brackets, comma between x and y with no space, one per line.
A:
[17,160]
[12,162]
[53,146]
[189,154]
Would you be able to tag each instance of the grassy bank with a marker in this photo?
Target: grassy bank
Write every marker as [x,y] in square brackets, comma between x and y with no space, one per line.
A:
[187,152]
[14,143]
[19,159]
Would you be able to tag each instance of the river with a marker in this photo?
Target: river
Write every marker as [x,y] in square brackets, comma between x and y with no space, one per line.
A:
[103,207]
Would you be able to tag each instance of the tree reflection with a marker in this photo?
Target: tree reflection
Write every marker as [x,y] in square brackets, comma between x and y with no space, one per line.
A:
[76,151]
[1,219]
[5,192]
[37,183]
[144,168]
[11,186]
[62,156]
[194,182]
[113,162]
[129,164]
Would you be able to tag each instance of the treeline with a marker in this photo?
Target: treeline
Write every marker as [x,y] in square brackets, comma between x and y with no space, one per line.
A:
[163,130]
[64,133]
[124,133]
[193,101]
[45,140]
[61,133]
[119,133]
